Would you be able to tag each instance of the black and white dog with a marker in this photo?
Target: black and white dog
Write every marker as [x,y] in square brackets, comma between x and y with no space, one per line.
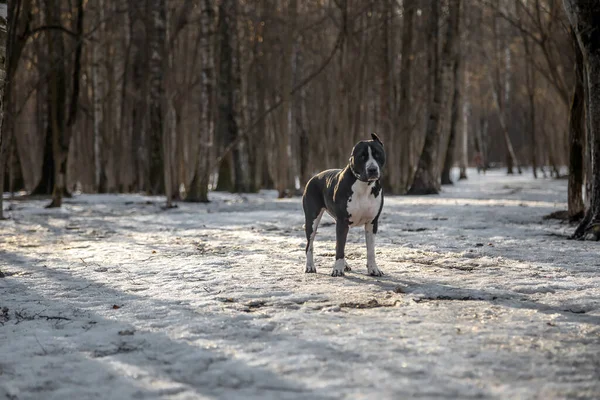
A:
[353,197]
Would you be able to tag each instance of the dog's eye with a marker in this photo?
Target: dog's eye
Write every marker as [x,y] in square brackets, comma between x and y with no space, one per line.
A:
[364,156]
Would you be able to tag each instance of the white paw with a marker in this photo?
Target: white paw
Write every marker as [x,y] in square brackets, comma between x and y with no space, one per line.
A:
[310,269]
[338,268]
[374,271]
[347,267]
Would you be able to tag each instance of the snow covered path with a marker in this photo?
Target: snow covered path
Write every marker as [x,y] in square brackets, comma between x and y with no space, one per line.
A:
[113,298]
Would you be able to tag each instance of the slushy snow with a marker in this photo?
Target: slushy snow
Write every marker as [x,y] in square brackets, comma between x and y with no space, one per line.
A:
[112,297]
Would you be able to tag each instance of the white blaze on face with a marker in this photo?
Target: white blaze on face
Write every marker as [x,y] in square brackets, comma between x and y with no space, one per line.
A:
[371,162]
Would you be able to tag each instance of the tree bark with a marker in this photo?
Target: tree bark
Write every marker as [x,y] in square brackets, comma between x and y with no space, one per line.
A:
[19,18]
[405,105]
[228,93]
[199,185]
[531,86]
[240,151]
[97,93]
[3,42]
[576,138]
[502,99]
[156,45]
[454,128]
[427,178]
[57,100]
[139,111]
[584,17]
[466,113]
[455,120]
[283,177]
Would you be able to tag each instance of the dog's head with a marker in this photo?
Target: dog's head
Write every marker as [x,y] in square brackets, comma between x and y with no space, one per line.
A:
[368,159]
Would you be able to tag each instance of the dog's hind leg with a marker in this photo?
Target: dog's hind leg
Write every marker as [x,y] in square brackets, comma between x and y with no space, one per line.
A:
[310,226]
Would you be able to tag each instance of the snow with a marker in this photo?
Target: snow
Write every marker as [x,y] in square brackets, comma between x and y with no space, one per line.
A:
[114,298]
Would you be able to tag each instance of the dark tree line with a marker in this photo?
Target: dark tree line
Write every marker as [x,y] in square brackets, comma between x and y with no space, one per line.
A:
[182,97]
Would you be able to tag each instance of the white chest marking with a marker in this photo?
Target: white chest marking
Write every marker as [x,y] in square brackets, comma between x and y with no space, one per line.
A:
[363,206]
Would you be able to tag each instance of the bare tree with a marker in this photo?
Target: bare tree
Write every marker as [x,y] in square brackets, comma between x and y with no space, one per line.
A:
[63,111]
[577,138]
[584,17]
[500,84]
[156,107]
[199,186]
[456,117]
[405,108]
[530,79]
[283,182]
[172,93]
[3,52]
[427,177]
[233,172]
[18,31]
[465,114]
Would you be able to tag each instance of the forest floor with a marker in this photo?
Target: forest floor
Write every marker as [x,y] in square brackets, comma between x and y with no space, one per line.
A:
[112,297]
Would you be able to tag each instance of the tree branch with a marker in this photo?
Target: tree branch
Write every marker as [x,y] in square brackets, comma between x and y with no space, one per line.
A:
[44,28]
[303,82]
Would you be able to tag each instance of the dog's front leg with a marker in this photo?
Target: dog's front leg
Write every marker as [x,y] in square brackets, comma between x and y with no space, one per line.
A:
[370,230]
[341,233]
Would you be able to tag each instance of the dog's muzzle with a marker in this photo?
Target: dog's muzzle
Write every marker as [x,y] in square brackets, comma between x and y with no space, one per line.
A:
[372,173]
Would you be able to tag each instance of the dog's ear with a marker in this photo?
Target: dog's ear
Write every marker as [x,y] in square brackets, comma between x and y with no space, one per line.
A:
[376,138]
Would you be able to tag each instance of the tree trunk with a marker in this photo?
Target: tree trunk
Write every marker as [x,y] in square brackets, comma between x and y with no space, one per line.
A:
[225,179]
[531,86]
[199,185]
[46,183]
[455,111]
[139,111]
[169,112]
[229,91]
[584,17]
[466,112]
[283,182]
[405,104]
[502,99]
[576,138]
[156,46]
[387,90]
[3,41]
[57,99]
[169,126]
[19,17]
[454,128]
[427,178]
[97,93]
[240,151]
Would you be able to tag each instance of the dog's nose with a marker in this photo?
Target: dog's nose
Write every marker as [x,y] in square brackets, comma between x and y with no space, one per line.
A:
[371,171]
